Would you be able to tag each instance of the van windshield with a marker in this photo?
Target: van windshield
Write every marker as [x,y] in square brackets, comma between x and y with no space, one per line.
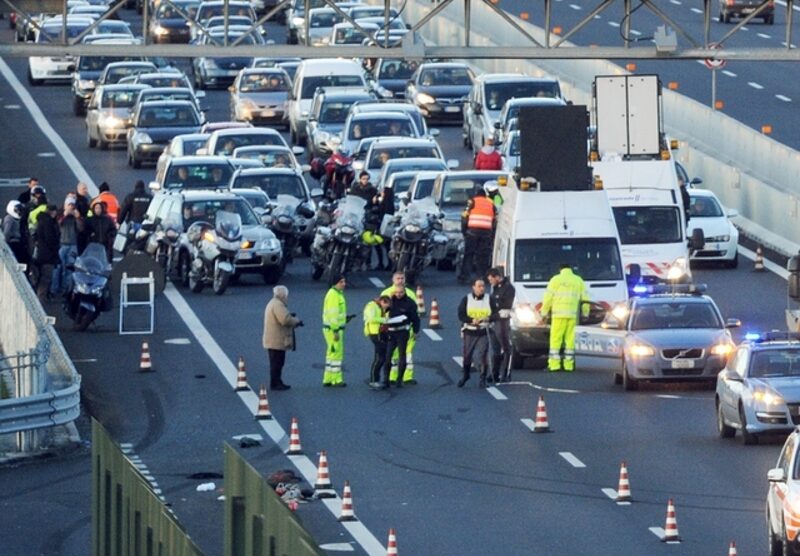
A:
[311,83]
[644,225]
[538,260]
[497,94]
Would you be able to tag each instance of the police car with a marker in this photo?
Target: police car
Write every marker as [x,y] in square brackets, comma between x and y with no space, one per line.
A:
[759,390]
[783,510]
[670,333]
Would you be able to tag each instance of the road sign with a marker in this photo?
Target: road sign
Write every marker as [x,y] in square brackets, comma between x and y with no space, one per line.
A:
[713,63]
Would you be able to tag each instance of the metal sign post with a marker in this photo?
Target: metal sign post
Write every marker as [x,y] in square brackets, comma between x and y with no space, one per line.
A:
[713,64]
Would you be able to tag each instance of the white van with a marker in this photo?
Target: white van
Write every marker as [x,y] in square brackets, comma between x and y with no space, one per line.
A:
[311,75]
[536,232]
[56,68]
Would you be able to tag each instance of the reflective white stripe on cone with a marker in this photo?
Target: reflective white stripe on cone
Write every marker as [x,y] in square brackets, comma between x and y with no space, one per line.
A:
[263,405]
[671,526]
[241,377]
[732,549]
[624,489]
[758,265]
[434,320]
[347,504]
[294,439]
[323,486]
[420,301]
[391,546]
[145,365]
[541,424]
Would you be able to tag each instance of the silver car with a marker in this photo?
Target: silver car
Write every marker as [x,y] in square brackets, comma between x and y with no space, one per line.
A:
[108,115]
[671,336]
[759,390]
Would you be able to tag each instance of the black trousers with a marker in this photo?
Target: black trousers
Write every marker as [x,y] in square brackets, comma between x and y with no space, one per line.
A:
[380,343]
[500,338]
[477,253]
[277,357]
[475,348]
[397,339]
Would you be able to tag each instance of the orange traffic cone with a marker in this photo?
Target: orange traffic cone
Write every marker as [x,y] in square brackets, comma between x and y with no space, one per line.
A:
[624,489]
[434,320]
[420,301]
[541,424]
[671,527]
[294,439]
[732,549]
[391,546]
[263,405]
[347,504]
[759,263]
[323,485]
[145,365]
[241,377]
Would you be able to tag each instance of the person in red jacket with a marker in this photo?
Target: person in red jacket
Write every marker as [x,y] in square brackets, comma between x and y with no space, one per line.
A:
[488,158]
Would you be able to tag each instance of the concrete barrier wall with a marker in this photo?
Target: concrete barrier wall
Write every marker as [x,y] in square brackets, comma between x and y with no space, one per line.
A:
[750,172]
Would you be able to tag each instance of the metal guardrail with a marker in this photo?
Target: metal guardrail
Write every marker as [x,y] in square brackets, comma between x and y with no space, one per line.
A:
[40,411]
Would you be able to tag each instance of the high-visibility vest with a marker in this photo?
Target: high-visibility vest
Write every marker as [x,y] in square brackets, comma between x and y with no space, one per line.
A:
[389,292]
[478,309]
[482,214]
[334,310]
[564,294]
[373,318]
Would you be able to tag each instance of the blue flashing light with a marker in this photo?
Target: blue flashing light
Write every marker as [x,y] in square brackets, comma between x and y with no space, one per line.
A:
[752,336]
[640,288]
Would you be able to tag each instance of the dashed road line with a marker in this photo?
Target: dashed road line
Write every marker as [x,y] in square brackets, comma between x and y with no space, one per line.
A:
[696,10]
[676,2]
[377,282]
[528,423]
[575,7]
[729,73]
[432,334]
[764,35]
[668,396]
[496,394]
[610,492]
[459,360]
[635,32]
[744,28]
[755,85]
[572,459]
[783,98]
[613,23]
[12,106]
[84,360]
[657,531]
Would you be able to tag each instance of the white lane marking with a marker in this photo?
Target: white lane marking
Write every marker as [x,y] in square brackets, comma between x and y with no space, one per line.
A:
[769,265]
[597,16]
[338,547]
[610,492]
[696,10]
[613,23]
[41,121]
[178,341]
[764,35]
[744,28]
[575,7]
[358,530]
[783,3]
[784,42]
[572,460]
[668,397]
[496,394]
[635,32]
[377,282]
[84,360]
[543,388]
[12,107]
[657,531]
[755,85]
[459,360]
[528,423]
[729,73]
[783,98]
[676,2]
[46,155]
[703,62]
[430,333]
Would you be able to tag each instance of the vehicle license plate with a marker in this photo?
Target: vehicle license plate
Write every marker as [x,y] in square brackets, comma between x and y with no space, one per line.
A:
[246,255]
[267,113]
[452,108]
[683,363]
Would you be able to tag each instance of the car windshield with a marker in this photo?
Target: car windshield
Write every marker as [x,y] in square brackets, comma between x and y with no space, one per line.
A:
[163,81]
[704,207]
[405,152]
[312,83]
[227,143]
[445,77]
[325,19]
[198,176]
[219,20]
[538,260]
[257,199]
[424,188]
[166,11]
[497,94]
[167,116]
[97,63]
[206,11]
[401,185]
[773,363]
[397,69]
[643,225]
[514,148]
[105,27]
[456,191]
[147,96]
[371,11]
[54,32]
[119,99]
[348,35]
[115,74]
[675,314]
[206,211]
[335,112]
[273,184]
[263,83]
[375,127]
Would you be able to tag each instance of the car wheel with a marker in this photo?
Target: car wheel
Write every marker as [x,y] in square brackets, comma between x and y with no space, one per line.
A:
[517,360]
[748,439]
[617,378]
[91,143]
[774,542]
[135,162]
[629,384]
[725,431]
[77,107]
[102,145]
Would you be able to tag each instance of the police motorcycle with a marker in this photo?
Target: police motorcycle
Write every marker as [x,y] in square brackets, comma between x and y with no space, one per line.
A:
[163,244]
[287,217]
[418,239]
[338,248]
[213,251]
[90,294]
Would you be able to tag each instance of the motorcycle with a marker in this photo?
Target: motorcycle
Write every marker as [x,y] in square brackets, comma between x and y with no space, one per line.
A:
[287,219]
[90,294]
[339,173]
[213,251]
[162,244]
[338,248]
[418,239]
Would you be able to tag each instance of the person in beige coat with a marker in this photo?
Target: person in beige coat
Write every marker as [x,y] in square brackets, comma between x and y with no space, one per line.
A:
[279,325]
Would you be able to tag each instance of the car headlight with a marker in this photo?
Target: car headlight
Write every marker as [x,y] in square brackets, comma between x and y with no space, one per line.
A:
[142,138]
[767,398]
[112,121]
[723,349]
[160,31]
[297,21]
[425,98]
[678,269]
[85,84]
[413,228]
[271,244]
[451,226]
[246,244]
[641,350]
[718,239]
[620,312]
[527,315]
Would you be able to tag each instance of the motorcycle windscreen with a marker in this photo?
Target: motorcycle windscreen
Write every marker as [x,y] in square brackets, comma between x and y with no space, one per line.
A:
[350,212]
[228,225]
[93,260]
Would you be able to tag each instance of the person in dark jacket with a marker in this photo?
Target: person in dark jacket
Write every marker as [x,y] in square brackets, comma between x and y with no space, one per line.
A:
[372,217]
[500,331]
[386,204]
[134,207]
[476,313]
[12,230]
[402,320]
[71,225]
[45,251]
[25,197]
[101,229]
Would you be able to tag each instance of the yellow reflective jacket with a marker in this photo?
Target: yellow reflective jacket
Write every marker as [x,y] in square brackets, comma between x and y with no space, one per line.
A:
[565,292]
[373,318]
[389,292]
[334,310]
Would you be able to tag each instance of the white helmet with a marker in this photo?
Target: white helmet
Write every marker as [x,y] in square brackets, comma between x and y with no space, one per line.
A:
[14,208]
[491,187]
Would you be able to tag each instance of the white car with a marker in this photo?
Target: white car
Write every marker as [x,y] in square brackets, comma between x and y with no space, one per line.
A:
[510,150]
[783,512]
[721,236]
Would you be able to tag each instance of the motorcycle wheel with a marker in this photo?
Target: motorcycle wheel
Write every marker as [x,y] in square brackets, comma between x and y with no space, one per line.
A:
[196,283]
[335,267]
[316,271]
[221,279]
[83,319]
[184,268]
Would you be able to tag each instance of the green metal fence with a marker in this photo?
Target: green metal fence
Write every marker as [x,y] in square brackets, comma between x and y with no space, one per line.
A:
[257,522]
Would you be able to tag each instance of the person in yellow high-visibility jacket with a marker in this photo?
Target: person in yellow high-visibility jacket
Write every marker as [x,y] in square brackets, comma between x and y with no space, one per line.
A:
[565,296]
[334,319]
[399,279]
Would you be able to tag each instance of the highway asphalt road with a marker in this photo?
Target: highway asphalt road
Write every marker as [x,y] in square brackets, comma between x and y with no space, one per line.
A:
[454,470]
